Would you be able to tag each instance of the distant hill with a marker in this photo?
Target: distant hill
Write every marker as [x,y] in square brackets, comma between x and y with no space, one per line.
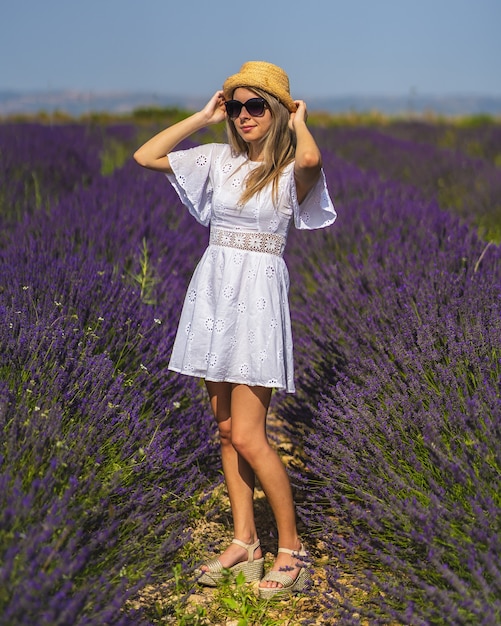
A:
[78,103]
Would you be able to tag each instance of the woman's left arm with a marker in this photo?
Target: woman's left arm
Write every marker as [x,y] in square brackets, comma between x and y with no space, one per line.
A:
[308,161]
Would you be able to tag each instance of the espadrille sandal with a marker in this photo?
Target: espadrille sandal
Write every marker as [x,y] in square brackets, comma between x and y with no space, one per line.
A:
[252,569]
[289,585]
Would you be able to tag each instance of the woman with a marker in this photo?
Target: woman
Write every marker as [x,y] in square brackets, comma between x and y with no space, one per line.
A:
[235,329]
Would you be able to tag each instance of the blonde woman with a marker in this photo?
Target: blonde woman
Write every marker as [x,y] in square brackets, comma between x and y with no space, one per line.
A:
[235,329]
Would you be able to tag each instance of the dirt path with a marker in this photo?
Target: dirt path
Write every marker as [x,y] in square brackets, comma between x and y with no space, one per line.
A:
[213,533]
[303,609]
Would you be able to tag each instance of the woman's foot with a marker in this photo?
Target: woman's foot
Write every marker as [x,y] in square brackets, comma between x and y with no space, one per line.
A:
[238,557]
[288,575]
[236,553]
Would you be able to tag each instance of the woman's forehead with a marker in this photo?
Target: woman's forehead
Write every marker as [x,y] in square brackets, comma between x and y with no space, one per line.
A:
[244,93]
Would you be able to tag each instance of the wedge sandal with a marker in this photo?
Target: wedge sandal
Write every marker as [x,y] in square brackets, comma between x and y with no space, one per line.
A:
[252,569]
[289,585]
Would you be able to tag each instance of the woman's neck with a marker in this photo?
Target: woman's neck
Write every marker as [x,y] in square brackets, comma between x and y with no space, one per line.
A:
[255,152]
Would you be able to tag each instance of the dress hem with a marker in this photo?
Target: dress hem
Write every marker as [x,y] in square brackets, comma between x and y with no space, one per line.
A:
[231,380]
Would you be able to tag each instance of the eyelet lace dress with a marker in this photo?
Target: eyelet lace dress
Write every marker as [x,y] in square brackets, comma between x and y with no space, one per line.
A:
[235,323]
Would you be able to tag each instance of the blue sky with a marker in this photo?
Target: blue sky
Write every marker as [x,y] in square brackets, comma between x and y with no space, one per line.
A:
[188,47]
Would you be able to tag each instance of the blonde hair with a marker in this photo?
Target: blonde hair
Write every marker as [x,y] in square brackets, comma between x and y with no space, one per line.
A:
[279,149]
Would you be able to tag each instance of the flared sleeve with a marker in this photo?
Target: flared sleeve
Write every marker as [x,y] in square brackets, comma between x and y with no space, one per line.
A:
[191,178]
[317,209]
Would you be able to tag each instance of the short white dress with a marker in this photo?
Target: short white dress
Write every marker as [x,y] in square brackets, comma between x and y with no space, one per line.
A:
[235,323]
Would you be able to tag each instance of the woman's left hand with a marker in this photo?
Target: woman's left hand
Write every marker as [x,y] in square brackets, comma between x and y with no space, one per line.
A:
[299,115]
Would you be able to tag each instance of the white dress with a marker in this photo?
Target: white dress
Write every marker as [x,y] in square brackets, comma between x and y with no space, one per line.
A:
[235,324]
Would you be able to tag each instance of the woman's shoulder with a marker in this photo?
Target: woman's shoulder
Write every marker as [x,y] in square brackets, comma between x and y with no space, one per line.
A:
[218,151]
[215,149]
[224,150]
[204,154]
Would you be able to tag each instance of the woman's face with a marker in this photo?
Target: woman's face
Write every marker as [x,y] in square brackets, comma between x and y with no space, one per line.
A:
[252,129]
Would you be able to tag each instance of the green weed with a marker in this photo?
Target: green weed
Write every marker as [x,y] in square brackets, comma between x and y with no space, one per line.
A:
[145,277]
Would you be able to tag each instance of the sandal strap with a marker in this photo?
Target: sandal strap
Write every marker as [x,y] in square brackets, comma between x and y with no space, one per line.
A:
[213,566]
[250,547]
[300,552]
[279,577]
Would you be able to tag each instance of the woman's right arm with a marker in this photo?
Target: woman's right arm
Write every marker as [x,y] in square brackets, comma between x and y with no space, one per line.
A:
[153,154]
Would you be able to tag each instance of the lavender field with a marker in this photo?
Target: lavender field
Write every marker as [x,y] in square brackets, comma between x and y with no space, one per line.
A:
[107,461]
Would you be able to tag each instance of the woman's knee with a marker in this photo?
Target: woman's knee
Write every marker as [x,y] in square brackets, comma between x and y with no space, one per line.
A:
[224,429]
[249,447]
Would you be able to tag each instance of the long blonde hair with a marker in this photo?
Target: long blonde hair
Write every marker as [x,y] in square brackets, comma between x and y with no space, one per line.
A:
[279,149]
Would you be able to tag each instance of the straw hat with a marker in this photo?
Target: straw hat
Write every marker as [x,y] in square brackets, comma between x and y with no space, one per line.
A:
[265,76]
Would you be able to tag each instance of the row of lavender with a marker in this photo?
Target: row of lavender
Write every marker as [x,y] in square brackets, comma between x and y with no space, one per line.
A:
[399,400]
[478,137]
[102,455]
[464,180]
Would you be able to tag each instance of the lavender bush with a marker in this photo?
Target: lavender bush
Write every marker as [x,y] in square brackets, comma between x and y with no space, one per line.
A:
[43,163]
[400,406]
[478,137]
[103,454]
[468,185]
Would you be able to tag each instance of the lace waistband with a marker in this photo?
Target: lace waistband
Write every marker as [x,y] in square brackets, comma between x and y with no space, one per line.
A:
[271,243]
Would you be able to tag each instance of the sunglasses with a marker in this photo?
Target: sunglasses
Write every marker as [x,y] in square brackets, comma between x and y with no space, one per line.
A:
[253,106]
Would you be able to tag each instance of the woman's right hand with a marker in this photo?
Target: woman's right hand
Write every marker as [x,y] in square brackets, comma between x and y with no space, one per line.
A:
[154,153]
[214,111]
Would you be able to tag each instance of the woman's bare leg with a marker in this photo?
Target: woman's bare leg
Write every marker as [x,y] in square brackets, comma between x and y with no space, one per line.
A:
[249,406]
[238,474]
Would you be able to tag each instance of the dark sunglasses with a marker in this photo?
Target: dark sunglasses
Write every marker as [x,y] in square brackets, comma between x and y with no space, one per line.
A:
[253,106]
